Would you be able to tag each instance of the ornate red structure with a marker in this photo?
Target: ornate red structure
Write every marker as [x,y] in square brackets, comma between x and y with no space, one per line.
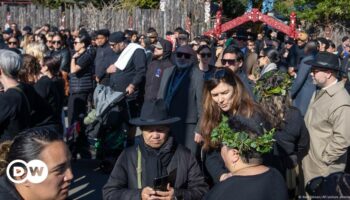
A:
[255,16]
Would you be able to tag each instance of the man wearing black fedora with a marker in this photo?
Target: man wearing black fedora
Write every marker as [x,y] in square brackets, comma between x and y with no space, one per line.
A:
[155,155]
[327,120]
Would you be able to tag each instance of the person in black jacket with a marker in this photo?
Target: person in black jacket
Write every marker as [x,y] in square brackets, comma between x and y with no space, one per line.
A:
[155,71]
[62,52]
[80,78]
[21,106]
[292,137]
[104,57]
[156,155]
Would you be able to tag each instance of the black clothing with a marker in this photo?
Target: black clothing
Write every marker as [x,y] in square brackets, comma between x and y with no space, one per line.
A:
[77,105]
[157,160]
[64,55]
[134,72]
[292,141]
[8,190]
[246,82]
[123,184]
[268,185]
[81,81]
[105,57]
[153,77]
[48,90]
[167,47]
[22,107]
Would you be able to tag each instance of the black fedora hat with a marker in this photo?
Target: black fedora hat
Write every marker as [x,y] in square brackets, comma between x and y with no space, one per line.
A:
[325,60]
[154,112]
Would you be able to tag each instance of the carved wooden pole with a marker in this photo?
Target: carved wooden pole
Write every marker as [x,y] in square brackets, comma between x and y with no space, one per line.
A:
[293,19]
[218,22]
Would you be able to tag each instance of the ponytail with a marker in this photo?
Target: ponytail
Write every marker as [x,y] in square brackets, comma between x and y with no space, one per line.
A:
[4,150]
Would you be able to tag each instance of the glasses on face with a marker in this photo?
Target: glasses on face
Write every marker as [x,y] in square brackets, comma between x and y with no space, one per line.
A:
[203,55]
[186,55]
[314,70]
[113,44]
[56,42]
[217,75]
[49,41]
[12,43]
[76,43]
[228,61]
[261,56]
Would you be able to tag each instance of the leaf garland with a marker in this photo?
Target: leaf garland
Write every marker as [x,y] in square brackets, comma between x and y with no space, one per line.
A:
[241,140]
[273,83]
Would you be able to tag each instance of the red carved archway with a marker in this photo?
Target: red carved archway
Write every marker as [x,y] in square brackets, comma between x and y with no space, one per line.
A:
[255,16]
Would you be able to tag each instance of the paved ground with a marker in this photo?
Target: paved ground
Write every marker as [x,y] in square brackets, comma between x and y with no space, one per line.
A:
[88,180]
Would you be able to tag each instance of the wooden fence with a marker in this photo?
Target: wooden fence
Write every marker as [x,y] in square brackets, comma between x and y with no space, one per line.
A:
[174,16]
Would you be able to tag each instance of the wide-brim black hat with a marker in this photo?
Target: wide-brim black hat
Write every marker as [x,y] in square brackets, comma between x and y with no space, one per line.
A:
[154,112]
[325,60]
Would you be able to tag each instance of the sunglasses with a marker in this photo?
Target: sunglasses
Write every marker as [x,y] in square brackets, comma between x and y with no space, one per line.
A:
[186,55]
[56,42]
[12,42]
[229,61]
[218,74]
[76,43]
[203,55]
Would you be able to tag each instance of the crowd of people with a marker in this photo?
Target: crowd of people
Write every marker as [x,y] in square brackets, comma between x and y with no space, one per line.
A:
[241,116]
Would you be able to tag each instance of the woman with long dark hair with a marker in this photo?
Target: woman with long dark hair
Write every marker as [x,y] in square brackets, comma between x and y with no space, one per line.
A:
[224,94]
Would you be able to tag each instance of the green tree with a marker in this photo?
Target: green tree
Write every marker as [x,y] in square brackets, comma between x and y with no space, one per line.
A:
[318,11]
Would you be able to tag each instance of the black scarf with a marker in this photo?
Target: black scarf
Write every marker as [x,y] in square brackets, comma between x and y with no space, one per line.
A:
[157,160]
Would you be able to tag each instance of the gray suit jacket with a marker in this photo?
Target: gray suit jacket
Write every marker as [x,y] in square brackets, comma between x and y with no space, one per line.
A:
[186,103]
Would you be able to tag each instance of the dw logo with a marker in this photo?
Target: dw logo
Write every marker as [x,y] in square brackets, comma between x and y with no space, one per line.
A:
[19,171]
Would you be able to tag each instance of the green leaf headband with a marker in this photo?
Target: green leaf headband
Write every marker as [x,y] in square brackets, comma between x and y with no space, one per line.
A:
[241,140]
[272,83]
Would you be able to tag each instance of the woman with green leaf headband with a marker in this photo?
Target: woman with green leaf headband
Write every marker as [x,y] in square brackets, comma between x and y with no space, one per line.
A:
[244,141]
[292,137]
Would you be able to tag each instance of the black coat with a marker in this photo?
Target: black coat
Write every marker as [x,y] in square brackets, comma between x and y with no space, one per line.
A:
[64,55]
[134,73]
[105,56]
[154,75]
[303,87]
[122,183]
[185,102]
[8,190]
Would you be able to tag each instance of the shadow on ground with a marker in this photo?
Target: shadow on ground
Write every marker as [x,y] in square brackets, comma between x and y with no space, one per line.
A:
[88,180]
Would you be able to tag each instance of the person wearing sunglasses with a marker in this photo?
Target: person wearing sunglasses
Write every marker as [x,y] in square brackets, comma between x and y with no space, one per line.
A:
[13,45]
[61,52]
[233,59]
[181,88]
[204,56]
[80,78]
[223,95]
